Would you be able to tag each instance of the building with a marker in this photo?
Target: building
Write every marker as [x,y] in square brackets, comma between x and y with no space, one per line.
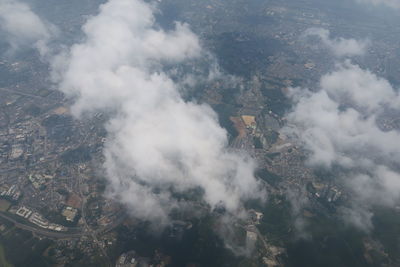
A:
[69,213]
[24,212]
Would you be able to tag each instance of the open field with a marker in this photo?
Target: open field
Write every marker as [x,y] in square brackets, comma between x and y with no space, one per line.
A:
[239,126]
[3,260]
[4,205]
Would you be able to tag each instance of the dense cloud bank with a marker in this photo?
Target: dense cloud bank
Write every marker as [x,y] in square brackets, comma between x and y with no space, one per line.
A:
[338,125]
[158,144]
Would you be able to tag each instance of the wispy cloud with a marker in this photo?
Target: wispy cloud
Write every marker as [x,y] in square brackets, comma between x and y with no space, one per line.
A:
[388,3]
[340,47]
[22,28]
[338,125]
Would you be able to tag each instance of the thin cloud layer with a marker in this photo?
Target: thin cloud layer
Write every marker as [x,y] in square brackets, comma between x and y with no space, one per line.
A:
[340,47]
[388,3]
[158,144]
[23,28]
[338,125]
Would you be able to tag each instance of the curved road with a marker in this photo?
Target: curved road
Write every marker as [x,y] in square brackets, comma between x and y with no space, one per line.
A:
[62,235]
[41,231]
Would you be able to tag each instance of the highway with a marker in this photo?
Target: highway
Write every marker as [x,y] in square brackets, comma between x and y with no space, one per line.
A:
[41,231]
[20,93]
[63,235]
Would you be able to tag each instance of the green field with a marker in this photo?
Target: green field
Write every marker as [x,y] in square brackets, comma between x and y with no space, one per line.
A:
[3,260]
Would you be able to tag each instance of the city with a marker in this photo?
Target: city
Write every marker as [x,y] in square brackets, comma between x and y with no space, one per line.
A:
[56,204]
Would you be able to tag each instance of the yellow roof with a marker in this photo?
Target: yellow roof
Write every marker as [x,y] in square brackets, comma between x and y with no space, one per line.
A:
[249,120]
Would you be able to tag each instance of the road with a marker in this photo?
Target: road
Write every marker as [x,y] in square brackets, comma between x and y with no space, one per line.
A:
[88,229]
[20,93]
[41,231]
[64,235]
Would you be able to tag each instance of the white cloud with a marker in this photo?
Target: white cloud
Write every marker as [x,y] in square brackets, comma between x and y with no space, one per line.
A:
[338,126]
[340,47]
[22,27]
[157,142]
